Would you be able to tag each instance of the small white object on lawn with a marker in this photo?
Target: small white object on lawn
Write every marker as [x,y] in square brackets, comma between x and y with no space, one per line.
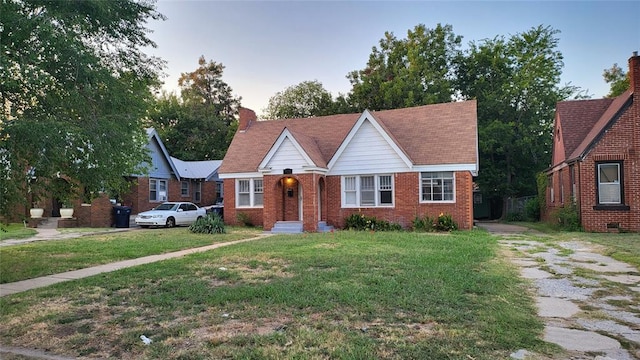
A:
[145,340]
[222,268]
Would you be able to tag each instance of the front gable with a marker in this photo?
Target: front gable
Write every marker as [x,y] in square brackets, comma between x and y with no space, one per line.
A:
[368,149]
[161,165]
[286,153]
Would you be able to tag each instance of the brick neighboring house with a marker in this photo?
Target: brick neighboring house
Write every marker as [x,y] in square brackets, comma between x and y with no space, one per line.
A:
[172,179]
[596,159]
[393,164]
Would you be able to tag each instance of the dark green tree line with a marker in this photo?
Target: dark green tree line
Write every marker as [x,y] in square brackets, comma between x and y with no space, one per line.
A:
[74,87]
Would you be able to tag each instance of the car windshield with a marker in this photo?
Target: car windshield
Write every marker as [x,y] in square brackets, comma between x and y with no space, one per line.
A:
[166,206]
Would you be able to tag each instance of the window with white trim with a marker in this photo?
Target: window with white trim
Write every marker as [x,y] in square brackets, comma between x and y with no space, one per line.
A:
[367,190]
[184,188]
[437,186]
[249,193]
[157,190]
[609,184]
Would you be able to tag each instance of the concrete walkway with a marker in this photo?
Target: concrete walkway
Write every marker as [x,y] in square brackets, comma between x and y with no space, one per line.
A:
[587,315]
[20,286]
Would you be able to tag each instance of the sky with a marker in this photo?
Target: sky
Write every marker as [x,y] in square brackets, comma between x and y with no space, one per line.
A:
[267,46]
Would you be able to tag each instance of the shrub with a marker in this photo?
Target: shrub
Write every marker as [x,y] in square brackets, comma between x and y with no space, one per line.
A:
[361,222]
[425,223]
[515,216]
[210,224]
[445,223]
[568,218]
[532,209]
[244,219]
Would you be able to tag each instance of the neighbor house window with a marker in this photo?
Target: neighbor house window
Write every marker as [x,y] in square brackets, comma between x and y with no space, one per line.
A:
[157,190]
[249,193]
[437,186]
[561,187]
[552,195]
[220,189]
[197,192]
[367,190]
[609,184]
[184,188]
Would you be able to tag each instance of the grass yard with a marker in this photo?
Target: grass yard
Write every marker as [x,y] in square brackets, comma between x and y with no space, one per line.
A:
[15,231]
[346,295]
[37,259]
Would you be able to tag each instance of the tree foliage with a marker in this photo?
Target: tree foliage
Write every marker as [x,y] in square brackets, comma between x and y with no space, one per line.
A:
[516,82]
[200,123]
[309,98]
[408,72]
[75,85]
[617,79]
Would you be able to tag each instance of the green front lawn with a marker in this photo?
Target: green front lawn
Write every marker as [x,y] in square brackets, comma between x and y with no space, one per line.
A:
[42,258]
[15,231]
[345,295]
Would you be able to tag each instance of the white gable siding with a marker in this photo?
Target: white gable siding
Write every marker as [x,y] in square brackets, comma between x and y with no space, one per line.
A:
[287,156]
[368,153]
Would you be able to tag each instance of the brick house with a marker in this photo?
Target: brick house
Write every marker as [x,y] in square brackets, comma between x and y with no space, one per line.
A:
[596,159]
[392,164]
[172,179]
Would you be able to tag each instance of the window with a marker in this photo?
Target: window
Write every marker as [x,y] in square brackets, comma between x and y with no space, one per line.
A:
[157,190]
[437,186]
[609,184]
[561,187]
[385,190]
[572,180]
[552,197]
[184,188]
[258,192]
[220,189]
[249,193]
[197,192]
[349,187]
[367,190]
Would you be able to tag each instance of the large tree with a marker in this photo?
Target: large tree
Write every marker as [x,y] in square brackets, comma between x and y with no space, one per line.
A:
[417,70]
[516,81]
[74,87]
[617,79]
[200,124]
[309,98]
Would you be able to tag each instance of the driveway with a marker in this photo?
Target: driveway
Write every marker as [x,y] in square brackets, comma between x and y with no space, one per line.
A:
[588,301]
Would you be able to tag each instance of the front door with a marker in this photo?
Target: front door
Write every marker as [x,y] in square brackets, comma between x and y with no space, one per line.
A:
[291,199]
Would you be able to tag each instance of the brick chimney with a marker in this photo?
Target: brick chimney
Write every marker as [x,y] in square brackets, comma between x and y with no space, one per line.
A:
[634,73]
[246,117]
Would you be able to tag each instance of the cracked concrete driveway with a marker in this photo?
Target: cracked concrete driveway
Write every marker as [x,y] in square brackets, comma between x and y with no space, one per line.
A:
[588,301]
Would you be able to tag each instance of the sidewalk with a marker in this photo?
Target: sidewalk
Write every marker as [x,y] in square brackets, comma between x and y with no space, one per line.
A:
[20,286]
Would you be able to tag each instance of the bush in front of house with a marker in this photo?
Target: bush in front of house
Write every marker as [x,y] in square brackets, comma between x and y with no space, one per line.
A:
[361,222]
[425,223]
[244,219]
[210,224]
[568,218]
[444,222]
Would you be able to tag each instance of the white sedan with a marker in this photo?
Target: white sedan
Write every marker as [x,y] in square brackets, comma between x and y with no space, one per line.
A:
[170,214]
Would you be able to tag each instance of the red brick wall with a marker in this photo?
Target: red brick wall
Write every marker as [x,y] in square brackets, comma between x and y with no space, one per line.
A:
[621,142]
[230,211]
[407,204]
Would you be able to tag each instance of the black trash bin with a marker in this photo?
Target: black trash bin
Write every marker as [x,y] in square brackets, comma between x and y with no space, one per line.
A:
[121,214]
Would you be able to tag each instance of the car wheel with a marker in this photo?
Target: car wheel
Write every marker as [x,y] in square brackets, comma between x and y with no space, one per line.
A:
[171,222]
[199,217]
[144,226]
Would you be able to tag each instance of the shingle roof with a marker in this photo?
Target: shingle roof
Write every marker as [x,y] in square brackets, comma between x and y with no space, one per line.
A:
[609,115]
[581,121]
[575,119]
[429,135]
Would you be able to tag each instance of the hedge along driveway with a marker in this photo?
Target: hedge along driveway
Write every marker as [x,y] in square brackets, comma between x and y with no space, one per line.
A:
[33,260]
[342,295]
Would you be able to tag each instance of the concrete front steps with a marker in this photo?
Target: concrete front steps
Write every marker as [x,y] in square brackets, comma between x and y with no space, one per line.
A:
[295,227]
